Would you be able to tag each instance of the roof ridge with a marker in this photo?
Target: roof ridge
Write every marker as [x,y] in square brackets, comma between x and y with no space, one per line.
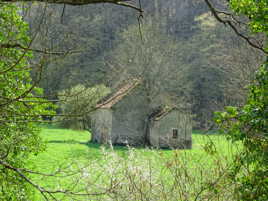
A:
[163,111]
[119,94]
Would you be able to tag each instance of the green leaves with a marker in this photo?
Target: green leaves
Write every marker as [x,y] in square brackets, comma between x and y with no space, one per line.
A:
[77,103]
[256,11]
[249,124]
[20,108]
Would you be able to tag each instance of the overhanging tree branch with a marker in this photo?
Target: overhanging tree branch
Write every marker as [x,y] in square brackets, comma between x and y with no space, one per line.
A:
[82,2]
[216,13]
[28,91]
[47,193]
[17,45]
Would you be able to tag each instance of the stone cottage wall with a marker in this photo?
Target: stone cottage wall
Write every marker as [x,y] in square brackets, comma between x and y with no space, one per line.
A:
[161,131]
[129,119]
[101,125]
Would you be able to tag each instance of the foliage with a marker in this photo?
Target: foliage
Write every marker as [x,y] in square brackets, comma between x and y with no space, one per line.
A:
[142,55]
[182,63]
[256,11]
[97,32]
[249,123]
[77,103]
[216,67]
[88,30]
[19,107]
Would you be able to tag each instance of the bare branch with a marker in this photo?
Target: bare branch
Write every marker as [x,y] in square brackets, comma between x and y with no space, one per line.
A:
[43,190]
[7,45]
[82,2]
[249,40]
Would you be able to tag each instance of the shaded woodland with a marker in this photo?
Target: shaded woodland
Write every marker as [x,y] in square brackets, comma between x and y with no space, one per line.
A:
[178,47]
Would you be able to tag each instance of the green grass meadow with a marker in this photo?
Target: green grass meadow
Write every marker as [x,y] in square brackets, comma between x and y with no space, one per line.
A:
[69,149]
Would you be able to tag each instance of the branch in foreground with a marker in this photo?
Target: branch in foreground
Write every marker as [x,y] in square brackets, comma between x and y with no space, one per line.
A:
[45,192]
[216,13]
[7,45]
[82,2]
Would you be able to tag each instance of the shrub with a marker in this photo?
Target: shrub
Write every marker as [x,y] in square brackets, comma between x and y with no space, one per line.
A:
[136,176]
[250,126]
[76,104]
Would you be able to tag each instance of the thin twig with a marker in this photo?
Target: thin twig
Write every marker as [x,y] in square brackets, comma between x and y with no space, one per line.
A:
[216,13]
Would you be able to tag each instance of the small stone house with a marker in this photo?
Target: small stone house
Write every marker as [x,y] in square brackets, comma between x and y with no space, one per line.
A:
[120,117]
[171,128]
[124,118]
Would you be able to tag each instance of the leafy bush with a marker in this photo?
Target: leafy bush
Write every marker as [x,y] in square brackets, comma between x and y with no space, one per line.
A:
[19,106]
[76,104]
[249,124]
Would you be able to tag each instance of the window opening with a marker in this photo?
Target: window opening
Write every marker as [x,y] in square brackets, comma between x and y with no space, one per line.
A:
[175,133]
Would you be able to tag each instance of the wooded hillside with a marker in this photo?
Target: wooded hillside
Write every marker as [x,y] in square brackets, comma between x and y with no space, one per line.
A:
[199,61]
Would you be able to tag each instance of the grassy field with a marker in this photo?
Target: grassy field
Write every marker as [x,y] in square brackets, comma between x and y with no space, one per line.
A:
[71,150]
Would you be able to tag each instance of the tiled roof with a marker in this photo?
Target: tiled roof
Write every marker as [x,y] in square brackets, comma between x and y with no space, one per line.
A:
[114,98]
[161,112]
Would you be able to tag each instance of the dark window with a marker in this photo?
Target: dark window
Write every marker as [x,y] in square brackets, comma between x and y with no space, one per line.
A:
[175,133]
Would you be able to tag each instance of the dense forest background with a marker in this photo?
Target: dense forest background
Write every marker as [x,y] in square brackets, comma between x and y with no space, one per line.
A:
[177,47]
